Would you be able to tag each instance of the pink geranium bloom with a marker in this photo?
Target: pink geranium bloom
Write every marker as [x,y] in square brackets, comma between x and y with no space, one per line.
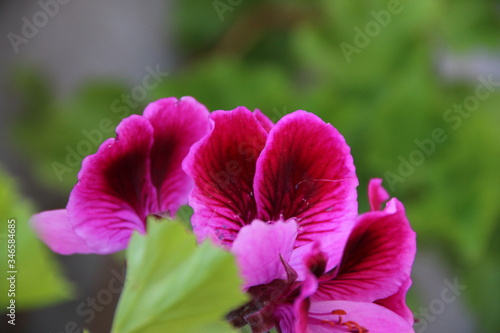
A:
[135,175]
[364,293]
[294,180]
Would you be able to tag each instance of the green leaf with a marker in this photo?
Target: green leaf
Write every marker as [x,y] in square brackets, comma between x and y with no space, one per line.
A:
[38,279]
[176,286]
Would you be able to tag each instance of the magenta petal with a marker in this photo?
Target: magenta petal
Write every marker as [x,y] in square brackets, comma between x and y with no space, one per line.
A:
[377,259]
[307,258]
[302,303]
[377,194]
[114,190]
[222,165]
[177,125]
[298,257]
[373,317]
[306,171]
[54,229]
[259,248]
[397,303]
[284,316]
[266,123]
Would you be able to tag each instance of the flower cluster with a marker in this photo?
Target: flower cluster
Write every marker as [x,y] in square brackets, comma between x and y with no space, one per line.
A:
[281,197]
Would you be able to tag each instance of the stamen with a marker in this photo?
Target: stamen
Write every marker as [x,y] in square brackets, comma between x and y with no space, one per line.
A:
[351,326]
[329,322]
[355,327]
[338,312]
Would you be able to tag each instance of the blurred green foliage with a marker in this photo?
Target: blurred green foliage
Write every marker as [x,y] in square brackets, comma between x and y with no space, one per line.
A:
[280,56]
[38,281]
[52,132]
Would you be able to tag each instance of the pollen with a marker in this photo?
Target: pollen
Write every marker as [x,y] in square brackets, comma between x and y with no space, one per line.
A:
[350,325]
[339,312]
[355,327]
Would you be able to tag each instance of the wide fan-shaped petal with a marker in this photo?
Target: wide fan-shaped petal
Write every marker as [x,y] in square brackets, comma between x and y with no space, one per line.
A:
[54,229]
[306,171]
[222,165]
[114,193]
[177,125]
[377,259]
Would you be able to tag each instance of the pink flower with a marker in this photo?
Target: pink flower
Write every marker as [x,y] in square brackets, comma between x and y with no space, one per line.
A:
[364,293]
[291,184]
[135,175]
